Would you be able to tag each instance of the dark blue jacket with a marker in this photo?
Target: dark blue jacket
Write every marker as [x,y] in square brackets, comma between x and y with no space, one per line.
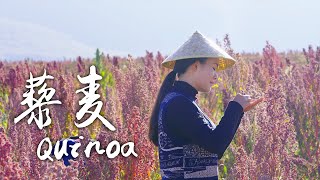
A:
[190,144]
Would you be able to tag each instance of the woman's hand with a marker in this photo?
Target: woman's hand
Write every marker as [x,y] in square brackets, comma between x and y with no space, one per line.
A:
[246,102]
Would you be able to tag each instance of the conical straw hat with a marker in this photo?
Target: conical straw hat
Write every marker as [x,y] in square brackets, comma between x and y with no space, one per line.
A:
[198,46]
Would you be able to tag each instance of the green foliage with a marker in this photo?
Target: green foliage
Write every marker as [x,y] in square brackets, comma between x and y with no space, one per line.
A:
[107,78]
[228,160]
[4,99]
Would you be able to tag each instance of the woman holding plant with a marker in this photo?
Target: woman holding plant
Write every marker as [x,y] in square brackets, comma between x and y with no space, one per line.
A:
[190,144]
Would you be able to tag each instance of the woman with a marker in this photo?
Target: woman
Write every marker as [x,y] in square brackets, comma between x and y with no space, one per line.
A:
[190,145]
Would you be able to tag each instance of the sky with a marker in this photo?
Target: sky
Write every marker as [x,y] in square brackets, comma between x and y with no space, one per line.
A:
[43,29]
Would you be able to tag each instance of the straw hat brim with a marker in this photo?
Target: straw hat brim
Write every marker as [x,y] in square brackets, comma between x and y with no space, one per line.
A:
[224,63]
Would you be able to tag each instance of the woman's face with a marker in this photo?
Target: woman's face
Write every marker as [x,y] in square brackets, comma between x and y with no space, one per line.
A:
[206,75]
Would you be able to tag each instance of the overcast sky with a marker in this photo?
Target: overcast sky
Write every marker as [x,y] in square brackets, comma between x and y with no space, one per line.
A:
[68,28]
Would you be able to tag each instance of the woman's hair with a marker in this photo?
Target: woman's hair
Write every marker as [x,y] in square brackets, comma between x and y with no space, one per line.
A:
[180,67]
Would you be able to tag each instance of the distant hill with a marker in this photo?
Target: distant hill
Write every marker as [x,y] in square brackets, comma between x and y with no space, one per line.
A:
[20,40]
